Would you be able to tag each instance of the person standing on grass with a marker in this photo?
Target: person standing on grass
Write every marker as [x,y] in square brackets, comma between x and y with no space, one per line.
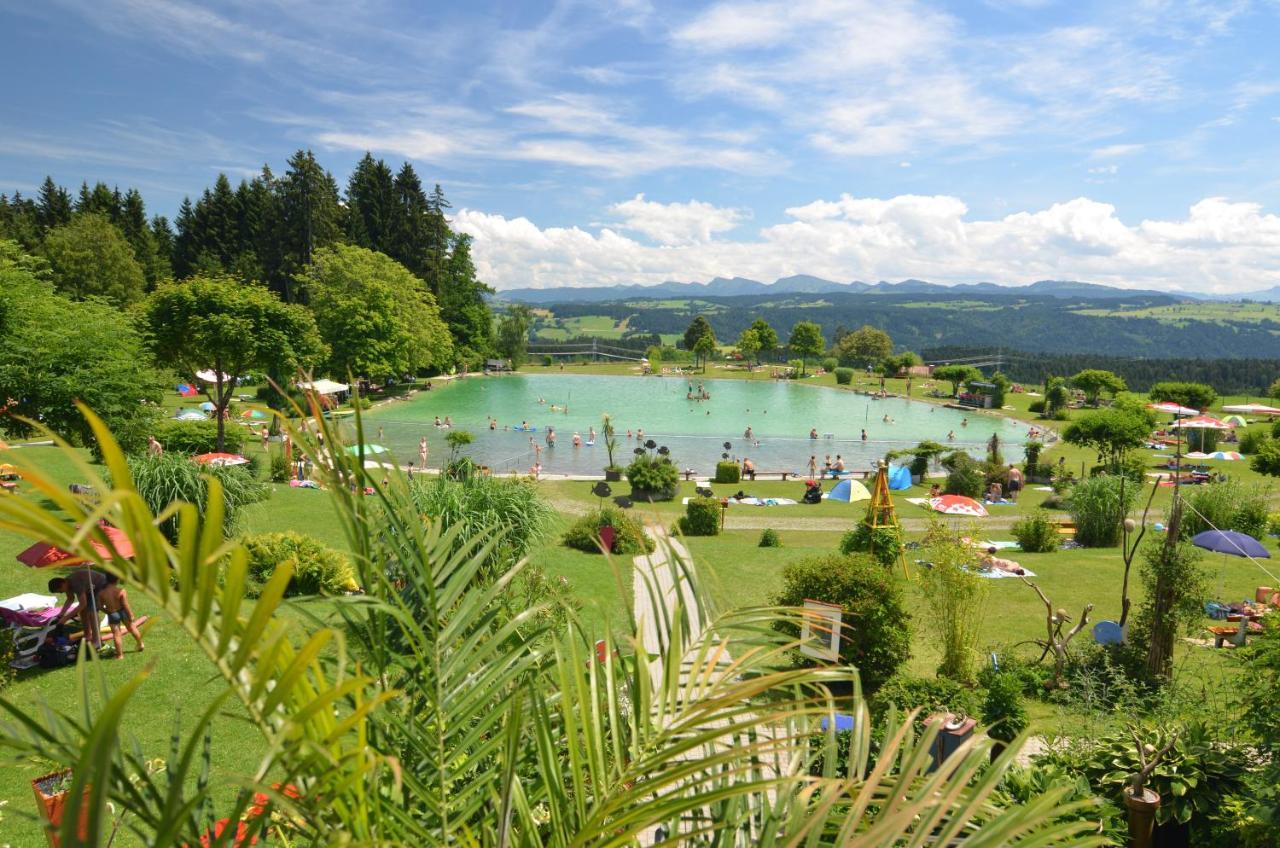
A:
[115,603]
[81,587]
[266,437]
[1015,482]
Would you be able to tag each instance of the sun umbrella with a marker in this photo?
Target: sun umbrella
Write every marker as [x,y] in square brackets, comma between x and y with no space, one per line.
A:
[1201,422]
[1252,409]
[253,414]
[208,406]
[1173,408]
[1230,542]
[190,415]
[1227,455]
[849,491]
[220,459]
[45,555]
[957,505]
[1235,420]
[355,449]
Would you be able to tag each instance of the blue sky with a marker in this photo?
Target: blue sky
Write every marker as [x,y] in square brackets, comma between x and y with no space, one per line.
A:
[633,141]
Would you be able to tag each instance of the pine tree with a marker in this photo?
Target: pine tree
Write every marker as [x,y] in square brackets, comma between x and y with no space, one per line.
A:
[410,223]
[22,222]
[100,201]
[162,233]
[221,239]
[437,243]
[133,224]
[54,205]
[186,246]
[371,205]
[463,306]
[310,214]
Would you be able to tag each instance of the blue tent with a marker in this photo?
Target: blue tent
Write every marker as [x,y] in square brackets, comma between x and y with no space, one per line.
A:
[848,491]
[899,477]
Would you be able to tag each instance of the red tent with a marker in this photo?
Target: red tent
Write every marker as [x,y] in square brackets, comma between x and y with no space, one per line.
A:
[45,555]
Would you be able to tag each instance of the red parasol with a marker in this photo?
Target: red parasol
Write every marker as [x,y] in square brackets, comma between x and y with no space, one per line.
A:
[220,459]
[957,505]
[45,555]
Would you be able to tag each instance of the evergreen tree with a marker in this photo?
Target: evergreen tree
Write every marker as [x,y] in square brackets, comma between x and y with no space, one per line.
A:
[133,224]
[100,201]
[463,306]
[261,250]
[411,223]
[371,205]
[20,220]
[310,214]
[185,245]
[162,234]
[437,240]
[221,223]
[54,205]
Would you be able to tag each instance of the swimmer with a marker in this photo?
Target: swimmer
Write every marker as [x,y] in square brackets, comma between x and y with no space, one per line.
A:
[591,434]
[813,434]
[951,436]
[577,440]
[885,419]
[748,435]
[439,423]
[864,435]
[493,424]
[964,422]
[448,422]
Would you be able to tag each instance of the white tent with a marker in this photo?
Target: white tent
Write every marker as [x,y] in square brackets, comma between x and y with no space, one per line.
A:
[323,387]
[211,377]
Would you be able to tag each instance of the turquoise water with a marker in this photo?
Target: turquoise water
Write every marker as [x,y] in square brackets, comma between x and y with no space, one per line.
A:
[780,414]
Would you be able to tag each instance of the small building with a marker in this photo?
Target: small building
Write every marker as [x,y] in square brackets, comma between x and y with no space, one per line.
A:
[981,395]
[498,365]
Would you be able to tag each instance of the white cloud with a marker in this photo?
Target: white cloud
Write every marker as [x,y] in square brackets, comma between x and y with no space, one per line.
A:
[1219,246]
[1106,170]
[675,223]
[1113,150]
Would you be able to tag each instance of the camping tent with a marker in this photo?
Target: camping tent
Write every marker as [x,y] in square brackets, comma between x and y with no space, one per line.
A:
[899,478]
[849,491]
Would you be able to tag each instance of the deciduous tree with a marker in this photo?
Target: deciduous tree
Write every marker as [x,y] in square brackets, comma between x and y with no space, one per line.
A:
[513,334]
[957,375]
[1093,382]
[767,335]
[226,326]
[90,258]
[806,342]
[865,346]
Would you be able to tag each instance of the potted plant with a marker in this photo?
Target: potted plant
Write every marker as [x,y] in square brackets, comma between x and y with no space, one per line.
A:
[652,474]
[1141,800]
[612,473]
[51,800]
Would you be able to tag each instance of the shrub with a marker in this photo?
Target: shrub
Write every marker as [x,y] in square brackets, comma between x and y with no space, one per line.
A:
[1003,711]
[1036,406]
[844,376]
[964,475]
[162,480]
[876,636]
[1202,440]
[510,511]
[629,537]
[728,472]
[1098,509]
[830,363]
[280,470]
[462,468]
[1036,533]
[928,695]
[955,596]
[796,365]
[8,653]
[1251,440]
[548,361]
[884,543]
[1266,458]
[702,517]
[1273,524]
[197,437]
[317,569]
[653,477]
[769,538]
[1228,505]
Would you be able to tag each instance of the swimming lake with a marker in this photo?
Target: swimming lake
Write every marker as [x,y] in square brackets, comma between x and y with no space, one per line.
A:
[780,415]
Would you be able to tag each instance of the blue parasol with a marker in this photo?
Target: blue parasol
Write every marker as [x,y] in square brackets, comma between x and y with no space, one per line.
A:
[1230,542]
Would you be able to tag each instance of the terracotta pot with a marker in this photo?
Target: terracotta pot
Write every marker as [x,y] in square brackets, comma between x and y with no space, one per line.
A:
[1142,817]
[52,807]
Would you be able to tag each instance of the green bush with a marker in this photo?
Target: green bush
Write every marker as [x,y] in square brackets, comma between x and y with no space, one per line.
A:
[844,376]
[1266,458]
[317,569]
[1273,524]
[280,470]
[1205,441]
[653,477]
[197,437]
[1003,711]
[162,480]
[887,543]
[830,363]
[1037,533]
[629,538]
[1036,406]
[964,475]
[728,472]
[795,365]
[876,634]
[510,511]
[702,517]
[929,695]
[1228,505]
[1098,509]
[769,538]
[8,653]
[548,361]
[1251,440]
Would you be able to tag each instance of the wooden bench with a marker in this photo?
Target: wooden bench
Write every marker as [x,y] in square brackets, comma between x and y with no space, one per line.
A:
[1066,528]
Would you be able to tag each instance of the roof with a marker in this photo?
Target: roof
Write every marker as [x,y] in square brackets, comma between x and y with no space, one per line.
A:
[323,387]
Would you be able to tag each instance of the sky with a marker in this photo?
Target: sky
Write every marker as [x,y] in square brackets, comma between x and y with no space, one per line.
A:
[600,142]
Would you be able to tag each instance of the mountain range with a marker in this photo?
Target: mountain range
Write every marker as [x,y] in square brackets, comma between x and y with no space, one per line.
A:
[806,284]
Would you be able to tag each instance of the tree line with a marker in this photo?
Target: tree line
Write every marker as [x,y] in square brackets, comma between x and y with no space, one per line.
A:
[265,230]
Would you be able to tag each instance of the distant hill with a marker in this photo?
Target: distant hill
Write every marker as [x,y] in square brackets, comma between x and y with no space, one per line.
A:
[806,284]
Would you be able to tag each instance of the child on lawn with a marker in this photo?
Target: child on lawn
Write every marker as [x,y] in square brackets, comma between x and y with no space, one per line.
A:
[115,603]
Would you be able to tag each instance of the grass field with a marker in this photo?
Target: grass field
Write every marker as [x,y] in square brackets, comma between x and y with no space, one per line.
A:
[1179,314]
[735,569]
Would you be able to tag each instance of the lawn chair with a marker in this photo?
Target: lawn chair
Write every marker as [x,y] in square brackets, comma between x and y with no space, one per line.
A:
[1231,634]
[30,618]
